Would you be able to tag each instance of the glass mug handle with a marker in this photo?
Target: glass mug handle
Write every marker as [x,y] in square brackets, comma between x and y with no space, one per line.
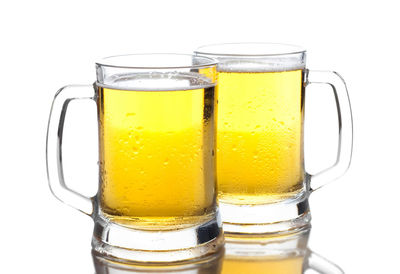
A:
[345,120]
[321,265]
[54,163]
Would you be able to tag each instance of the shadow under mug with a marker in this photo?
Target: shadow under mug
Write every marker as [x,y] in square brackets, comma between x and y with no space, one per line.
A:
[262,184]
[156,200]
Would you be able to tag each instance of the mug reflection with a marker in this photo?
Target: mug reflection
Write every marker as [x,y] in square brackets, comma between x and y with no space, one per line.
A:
[207,265]
[288,254]
[285,254]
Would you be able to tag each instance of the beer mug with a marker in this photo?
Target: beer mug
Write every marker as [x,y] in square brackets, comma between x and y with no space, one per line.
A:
[156,198]
[262,185]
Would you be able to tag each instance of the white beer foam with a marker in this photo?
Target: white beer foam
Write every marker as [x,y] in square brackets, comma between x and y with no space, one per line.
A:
[245,65]
[157,81]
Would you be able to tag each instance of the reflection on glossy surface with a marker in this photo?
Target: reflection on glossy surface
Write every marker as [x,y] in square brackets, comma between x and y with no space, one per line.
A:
[266,255]
[287,254]
[208,265]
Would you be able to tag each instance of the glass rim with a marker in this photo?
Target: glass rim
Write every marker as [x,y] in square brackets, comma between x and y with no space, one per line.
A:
[290,49]
[109,61]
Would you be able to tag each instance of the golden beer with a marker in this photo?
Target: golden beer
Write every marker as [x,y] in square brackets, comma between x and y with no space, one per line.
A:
[156,156]
[260,265]
[259,137]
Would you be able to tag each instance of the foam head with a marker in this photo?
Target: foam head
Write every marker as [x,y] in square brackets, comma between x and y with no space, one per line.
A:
[255,57]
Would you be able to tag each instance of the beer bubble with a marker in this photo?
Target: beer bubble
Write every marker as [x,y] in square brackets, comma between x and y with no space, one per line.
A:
[165,162]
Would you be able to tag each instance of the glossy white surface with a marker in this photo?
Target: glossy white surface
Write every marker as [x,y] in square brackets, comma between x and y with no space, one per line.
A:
[48,44]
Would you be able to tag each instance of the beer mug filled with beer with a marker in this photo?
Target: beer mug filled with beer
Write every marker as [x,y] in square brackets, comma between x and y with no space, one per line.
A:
[157,192]
[263,187]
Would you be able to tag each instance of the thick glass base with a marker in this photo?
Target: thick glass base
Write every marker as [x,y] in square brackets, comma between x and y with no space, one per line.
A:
[281,217]
[127,244]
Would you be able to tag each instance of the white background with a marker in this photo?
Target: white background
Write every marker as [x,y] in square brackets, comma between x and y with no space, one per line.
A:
[47,44]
